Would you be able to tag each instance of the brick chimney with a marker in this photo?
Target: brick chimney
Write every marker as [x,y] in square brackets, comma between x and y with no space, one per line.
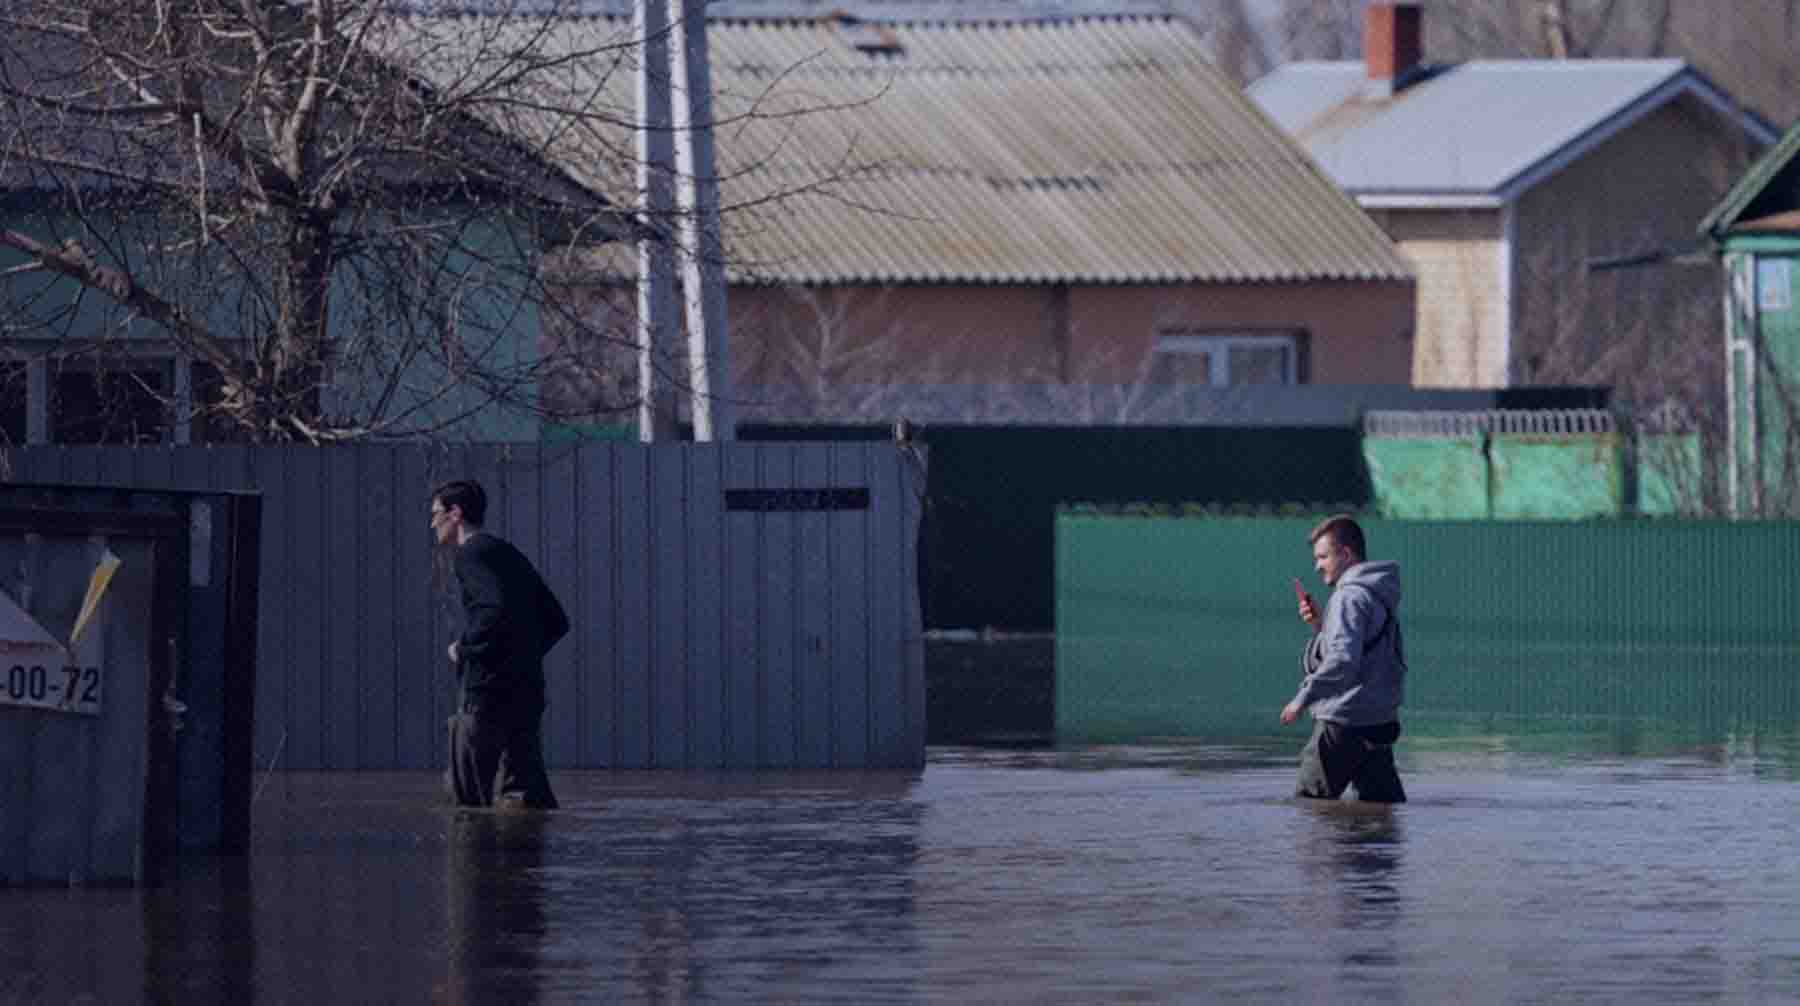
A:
[1393,35]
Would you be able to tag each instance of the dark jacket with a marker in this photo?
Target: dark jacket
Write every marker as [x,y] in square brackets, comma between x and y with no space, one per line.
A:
[513,618]
[1355,667]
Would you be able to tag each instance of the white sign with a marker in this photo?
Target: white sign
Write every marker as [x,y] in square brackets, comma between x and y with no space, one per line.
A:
[1774,284]
[41,672]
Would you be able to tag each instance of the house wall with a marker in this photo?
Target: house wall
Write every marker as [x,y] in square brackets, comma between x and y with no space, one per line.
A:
[45,319]
[1351,332]
[1459,259]
[1644,189]
[868,334]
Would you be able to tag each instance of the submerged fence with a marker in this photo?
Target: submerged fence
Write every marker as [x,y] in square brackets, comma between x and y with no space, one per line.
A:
[1173,625]
[734,605]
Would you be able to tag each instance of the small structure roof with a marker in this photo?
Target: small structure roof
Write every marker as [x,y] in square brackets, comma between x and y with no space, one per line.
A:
[1476,133]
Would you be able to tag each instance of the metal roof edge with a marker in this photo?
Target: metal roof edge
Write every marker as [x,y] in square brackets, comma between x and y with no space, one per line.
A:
[820,279]
[1684,81]
[1395,200]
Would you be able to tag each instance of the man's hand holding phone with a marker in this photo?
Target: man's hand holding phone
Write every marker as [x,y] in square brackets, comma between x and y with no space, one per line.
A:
[1309,612]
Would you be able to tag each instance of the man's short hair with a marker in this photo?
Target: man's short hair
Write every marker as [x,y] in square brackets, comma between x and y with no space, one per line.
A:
[466,494]
[1343,531]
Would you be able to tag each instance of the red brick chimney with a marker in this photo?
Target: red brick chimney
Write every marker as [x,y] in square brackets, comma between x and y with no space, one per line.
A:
[1393,35]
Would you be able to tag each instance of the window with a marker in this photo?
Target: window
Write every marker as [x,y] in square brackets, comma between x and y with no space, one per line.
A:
[1226,359]
[124,399]
[120,402]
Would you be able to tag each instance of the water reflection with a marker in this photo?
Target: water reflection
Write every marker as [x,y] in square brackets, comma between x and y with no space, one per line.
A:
[496,917]
[1351,856]
[765,889]
[1148,875]
[195,950]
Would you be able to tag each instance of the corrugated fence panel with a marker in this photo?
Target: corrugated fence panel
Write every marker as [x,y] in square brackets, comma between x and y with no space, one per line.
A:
[274,602]
[776,635]
[560,539]
[707,709]
[743,657]
[1186,625]
[384,513]
[596,592]
[345,680]
[1546,477]
[779,603]
[669,686]
[1442,478]
[849,641]
[813,718]
[312,614]
[632,573]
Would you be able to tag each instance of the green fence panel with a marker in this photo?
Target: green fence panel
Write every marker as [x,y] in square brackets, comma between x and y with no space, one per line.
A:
[1428,478]
[1556,476]
[1171,626]
[1671,475]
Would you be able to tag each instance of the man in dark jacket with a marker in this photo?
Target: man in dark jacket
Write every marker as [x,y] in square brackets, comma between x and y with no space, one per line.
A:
[1354,671]
[512,621]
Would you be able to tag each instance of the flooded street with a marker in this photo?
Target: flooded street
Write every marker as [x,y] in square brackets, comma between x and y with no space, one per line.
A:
[1177,873]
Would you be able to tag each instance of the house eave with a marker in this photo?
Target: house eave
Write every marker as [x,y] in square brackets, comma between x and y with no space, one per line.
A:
[1429,200]
[1688,82]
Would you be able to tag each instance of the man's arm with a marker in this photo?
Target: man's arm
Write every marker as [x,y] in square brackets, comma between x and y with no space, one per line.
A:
[483,604]
[555,619]
[1349,624]
[1309,660]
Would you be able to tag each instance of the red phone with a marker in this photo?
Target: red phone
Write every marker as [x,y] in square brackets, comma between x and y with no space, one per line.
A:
[1299,591]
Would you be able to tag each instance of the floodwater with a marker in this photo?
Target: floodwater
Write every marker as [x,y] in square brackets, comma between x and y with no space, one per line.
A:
[1173,873]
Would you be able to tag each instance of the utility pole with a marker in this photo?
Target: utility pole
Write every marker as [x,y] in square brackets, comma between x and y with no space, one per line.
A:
[697,200]
[655,217]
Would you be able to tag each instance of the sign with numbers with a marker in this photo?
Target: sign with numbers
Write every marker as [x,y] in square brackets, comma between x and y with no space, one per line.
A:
[39,671]
[65,687]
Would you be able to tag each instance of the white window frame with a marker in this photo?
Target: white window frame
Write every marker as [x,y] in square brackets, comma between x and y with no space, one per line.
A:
[1218,345]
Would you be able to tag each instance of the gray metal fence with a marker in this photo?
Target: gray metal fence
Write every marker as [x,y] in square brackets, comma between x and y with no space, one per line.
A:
[782,631]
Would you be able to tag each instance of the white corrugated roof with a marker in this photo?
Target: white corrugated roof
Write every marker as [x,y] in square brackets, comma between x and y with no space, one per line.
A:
[1478,128]
[1091,150]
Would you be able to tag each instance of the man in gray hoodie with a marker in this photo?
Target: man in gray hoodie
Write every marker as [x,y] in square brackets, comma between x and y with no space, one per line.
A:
[1354,671]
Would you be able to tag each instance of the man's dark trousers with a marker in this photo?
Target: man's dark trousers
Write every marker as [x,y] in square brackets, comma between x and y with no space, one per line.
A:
[1339,755]
[497,752]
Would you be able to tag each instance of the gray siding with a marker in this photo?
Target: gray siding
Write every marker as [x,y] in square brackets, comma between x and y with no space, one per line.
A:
[703,637]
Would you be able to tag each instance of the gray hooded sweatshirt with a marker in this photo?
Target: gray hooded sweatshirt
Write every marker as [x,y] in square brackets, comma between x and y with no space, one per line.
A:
[1355,666]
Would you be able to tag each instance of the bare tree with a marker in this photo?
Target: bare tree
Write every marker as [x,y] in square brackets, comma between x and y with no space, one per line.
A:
[822,362]
[340,249]
[1746,46]
[1662,356]
[351,220]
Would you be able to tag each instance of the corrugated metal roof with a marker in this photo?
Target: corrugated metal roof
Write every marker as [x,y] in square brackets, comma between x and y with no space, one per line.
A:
[1090,150]
[1472,128]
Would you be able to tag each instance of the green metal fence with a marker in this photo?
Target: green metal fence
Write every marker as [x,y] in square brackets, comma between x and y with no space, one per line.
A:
[1186,626]
[1556,464]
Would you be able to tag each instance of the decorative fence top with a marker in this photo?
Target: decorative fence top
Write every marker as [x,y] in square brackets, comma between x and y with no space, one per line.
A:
[1379,423]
